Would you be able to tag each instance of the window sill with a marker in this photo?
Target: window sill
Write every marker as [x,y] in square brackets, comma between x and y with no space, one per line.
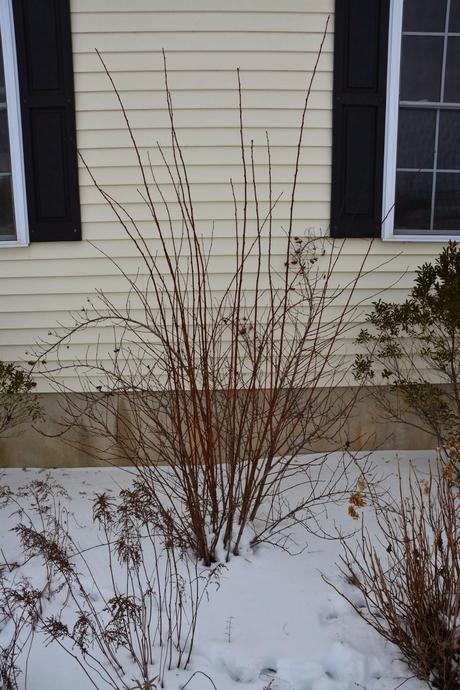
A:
[13,243]
[421,238]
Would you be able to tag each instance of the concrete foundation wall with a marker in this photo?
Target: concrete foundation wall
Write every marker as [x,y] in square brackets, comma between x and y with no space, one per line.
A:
[48,446]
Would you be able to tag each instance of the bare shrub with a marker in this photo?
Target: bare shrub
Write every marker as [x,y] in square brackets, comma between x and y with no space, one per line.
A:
[17,403]
[138,609]
[409,576]
[212,393]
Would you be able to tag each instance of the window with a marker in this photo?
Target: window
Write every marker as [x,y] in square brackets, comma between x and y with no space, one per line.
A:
[13,216]
[39,192]
[396,120]
[421,198]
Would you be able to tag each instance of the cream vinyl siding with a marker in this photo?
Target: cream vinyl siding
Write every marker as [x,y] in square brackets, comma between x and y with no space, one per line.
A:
[275,45]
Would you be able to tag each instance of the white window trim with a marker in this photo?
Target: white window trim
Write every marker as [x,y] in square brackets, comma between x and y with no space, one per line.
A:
[14,126]
[391,136]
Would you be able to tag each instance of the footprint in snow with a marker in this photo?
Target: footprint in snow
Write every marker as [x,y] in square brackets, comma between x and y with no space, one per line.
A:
[268,675]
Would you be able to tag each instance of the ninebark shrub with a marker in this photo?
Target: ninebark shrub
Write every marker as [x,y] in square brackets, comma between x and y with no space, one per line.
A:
[216,390]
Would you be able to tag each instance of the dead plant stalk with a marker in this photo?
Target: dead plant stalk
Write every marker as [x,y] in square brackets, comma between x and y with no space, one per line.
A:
[409,575]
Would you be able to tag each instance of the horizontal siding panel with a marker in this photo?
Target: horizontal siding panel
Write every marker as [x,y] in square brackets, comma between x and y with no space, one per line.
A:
[223,7]
[16,334]
[112,230]
[251,80]
[199,22]
[14,328]
[100,138]
[347,352]
[97,266]
[81,285]
[101,338]
[157,120]
[27,320]
[341,369]
[17,312]
[205,211]
[219,265]
[201,67]
[210,100]
[114,242]
[210,177]
[73,383]
[87,351]
[200,40]
[202,193]
[202,158]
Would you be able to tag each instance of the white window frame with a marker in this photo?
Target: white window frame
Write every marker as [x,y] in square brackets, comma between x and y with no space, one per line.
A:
[391,137]
[14,127]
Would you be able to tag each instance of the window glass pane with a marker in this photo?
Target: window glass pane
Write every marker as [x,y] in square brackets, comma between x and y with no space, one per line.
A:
[449,140]
[2,76]
[452,87]
[413,200]
[454,22]
[429,138]
[7,230]
[447,202]
[416,132]
[429,15]
[5,164]
[421,67]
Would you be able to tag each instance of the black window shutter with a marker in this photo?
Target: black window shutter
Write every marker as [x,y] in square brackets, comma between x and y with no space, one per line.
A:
[359,98]
[44,51]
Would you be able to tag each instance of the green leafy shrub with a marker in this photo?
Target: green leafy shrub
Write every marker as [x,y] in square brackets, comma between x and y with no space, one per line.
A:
[415,346]
[17,404]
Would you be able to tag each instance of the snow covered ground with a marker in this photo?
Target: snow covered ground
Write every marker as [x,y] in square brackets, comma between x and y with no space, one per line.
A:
[273,624]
